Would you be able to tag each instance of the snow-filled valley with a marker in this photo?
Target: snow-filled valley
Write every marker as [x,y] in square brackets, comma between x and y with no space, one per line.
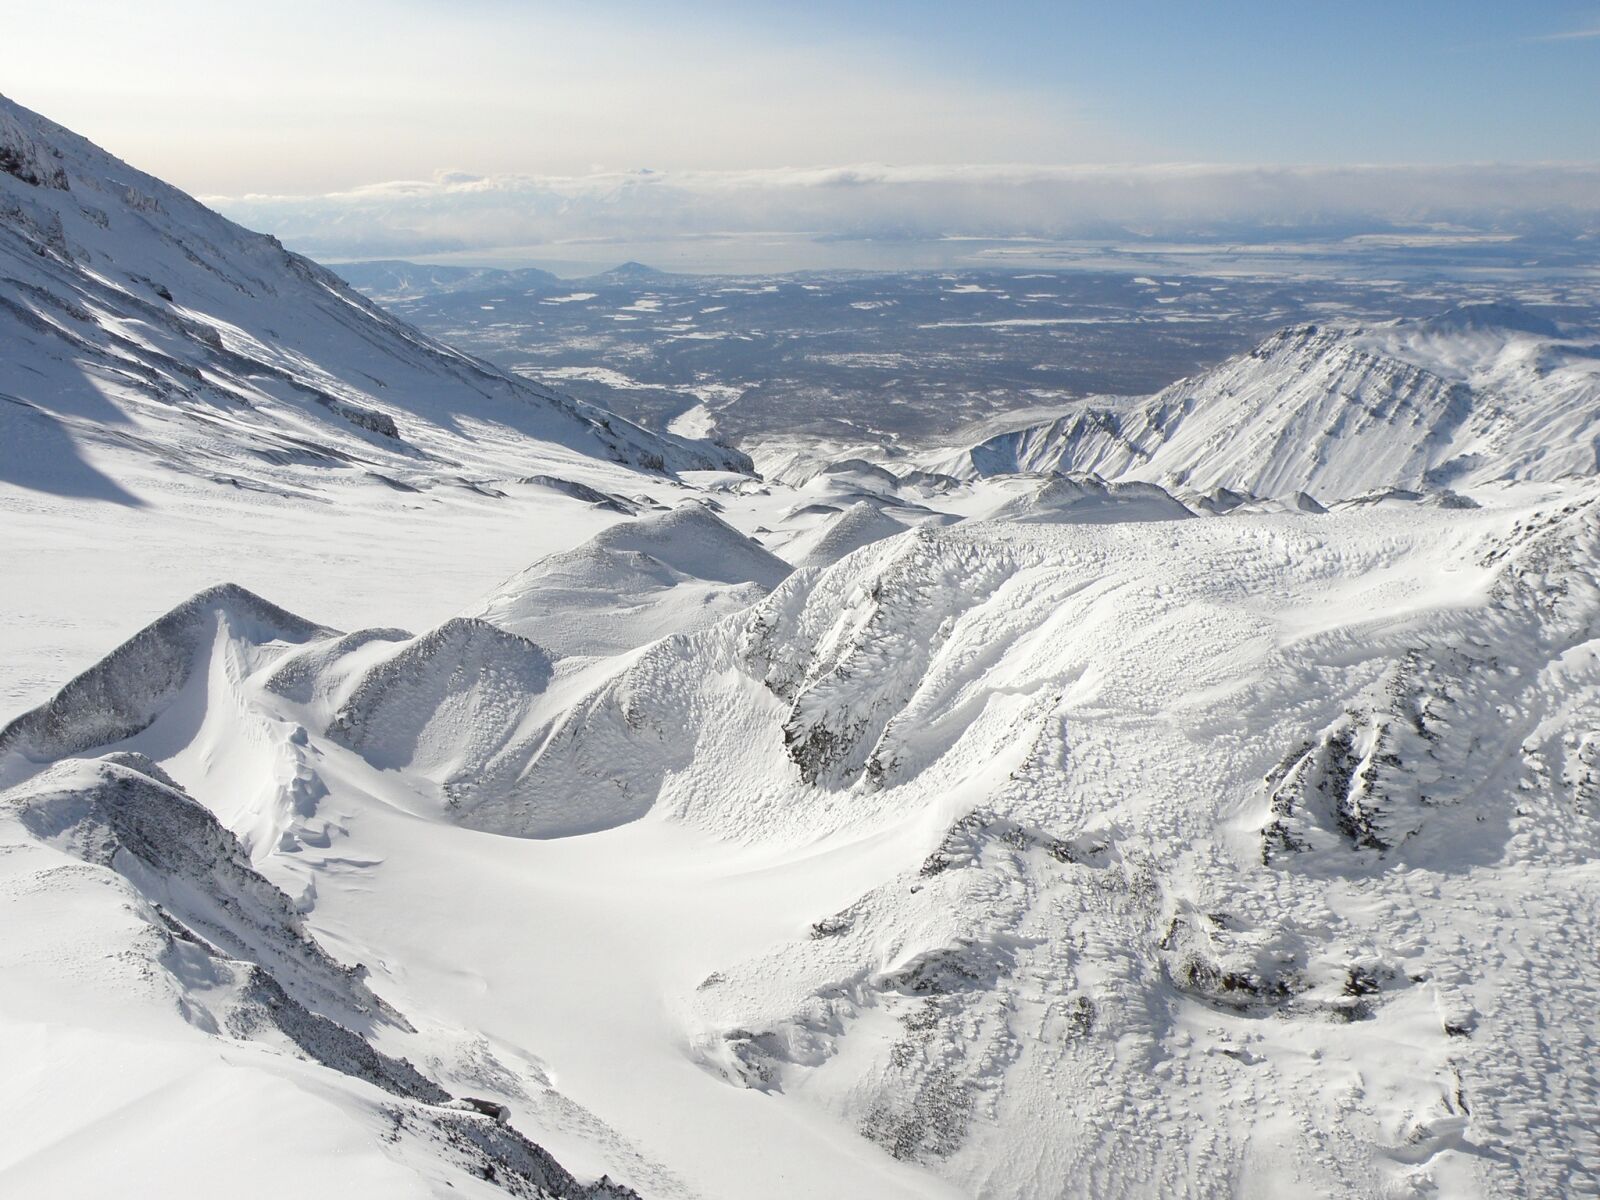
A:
[414,782]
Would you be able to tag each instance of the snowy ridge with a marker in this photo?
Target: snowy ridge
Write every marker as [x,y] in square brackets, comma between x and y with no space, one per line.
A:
[1339,411]
[121,811]
[124,692]
[205,943]
[989,914]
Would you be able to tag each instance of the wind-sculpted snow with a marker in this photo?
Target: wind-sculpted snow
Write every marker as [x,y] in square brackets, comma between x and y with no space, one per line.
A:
[1479,393]
[124,692]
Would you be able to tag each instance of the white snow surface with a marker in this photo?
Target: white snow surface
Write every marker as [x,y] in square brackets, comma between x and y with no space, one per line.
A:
[1096,815]
[852,528]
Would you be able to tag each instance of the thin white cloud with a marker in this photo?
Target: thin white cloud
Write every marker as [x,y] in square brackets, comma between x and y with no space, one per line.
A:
[1569,35]
[458,211]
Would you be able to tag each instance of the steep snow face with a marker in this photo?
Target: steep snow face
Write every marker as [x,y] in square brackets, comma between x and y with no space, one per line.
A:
[136,320]
[1337,411]
[635,582]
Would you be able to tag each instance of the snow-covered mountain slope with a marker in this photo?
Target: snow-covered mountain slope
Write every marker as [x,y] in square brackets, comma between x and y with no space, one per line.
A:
[635,582]
[1250,855]
[1480,393]
[831,539]
[1174,802]
[136,322]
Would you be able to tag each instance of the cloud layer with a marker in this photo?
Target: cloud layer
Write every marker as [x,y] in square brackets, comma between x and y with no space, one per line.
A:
[458,211]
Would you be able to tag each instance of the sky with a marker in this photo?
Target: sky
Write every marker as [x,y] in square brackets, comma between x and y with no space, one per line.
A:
[385,124]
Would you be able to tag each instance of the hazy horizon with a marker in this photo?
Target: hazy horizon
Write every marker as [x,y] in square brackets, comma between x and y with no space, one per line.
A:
[418,129]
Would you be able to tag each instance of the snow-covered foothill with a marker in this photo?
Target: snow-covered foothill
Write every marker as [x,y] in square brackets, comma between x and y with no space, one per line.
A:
[1068,499]
[637,581]
[825,544]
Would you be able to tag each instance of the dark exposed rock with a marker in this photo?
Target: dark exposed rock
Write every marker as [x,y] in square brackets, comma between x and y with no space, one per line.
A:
[488,1108]
[582,491]
[498,1154]
[264,1001]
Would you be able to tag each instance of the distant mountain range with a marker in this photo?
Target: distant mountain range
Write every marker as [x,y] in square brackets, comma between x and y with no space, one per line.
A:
[389,280]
